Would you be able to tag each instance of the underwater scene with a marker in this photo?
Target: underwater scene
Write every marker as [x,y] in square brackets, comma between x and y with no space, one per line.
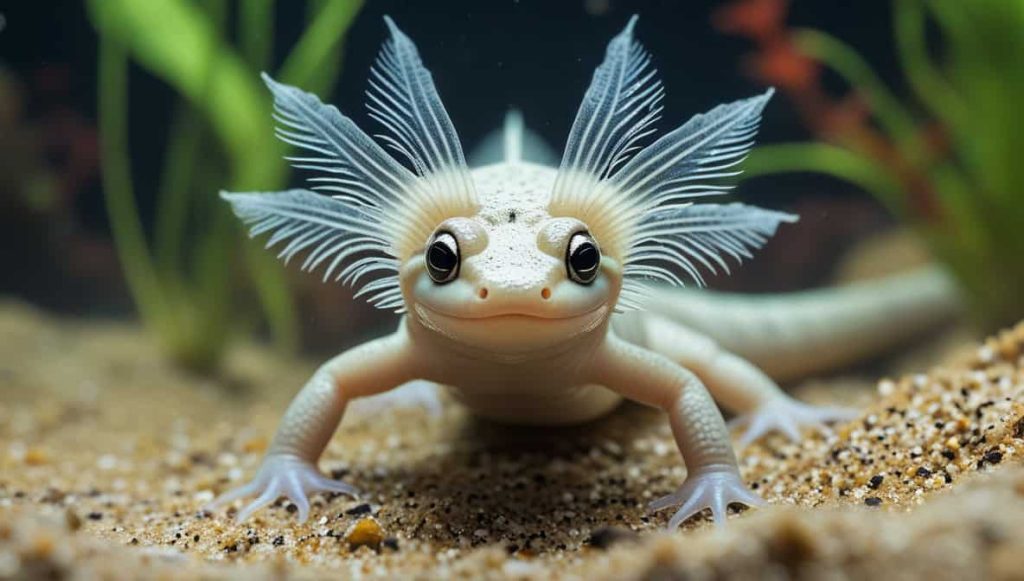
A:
[511,289]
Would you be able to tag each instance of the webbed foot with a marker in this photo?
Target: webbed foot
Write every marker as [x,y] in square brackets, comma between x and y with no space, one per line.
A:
[714,488]
[788,416]
[282,475]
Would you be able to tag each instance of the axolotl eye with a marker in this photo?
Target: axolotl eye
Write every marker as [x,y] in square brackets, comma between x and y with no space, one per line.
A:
[443,258]
[582,258]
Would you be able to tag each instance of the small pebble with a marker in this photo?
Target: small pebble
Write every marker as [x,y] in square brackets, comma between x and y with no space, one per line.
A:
[72,519]
[365,532]
[36,456]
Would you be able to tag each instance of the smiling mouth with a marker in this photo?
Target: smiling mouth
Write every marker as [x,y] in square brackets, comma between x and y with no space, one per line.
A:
[505,316]
[512,317]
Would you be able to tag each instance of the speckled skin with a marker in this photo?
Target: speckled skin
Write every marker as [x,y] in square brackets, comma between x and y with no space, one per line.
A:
[516,340]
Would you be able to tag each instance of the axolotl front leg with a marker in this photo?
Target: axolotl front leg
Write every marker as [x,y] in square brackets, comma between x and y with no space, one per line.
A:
[290,466]
[713,479]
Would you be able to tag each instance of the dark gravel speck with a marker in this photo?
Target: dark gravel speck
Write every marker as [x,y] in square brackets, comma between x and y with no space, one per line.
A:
[605,537]
[876,481]
[992,457]
[359,509]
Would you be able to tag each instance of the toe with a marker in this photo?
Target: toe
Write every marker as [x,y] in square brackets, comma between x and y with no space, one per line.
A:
[298,497]
[738,422]
[748,498]
[663,503]
[321,482]
[269,495]
[825,431]
[233,495]
[719,509]
[758,426]
[748,438]
[838,414]
[790,429]
[692,506]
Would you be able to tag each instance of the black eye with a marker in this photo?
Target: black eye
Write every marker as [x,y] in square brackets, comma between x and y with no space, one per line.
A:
[443,258]
[582,258]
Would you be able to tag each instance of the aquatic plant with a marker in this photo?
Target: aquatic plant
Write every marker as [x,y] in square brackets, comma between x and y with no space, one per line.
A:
[944,160]
[181,278]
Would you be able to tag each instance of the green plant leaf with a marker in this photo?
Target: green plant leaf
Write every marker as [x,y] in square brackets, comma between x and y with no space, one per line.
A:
[842,163]
[928,83]
[118,189]
[894,117]
[319,46]
[256,31]
[174,40]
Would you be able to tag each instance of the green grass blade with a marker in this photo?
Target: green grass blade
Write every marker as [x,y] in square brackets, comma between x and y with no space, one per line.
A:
[857,169]
[180,162]
[891,113]
[173,39]
[928,84]
[256,32]
[117,186]
[304,65]
[173,197]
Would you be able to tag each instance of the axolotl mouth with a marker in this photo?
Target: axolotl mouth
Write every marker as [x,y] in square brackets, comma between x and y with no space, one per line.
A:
[500,327]
[498,316]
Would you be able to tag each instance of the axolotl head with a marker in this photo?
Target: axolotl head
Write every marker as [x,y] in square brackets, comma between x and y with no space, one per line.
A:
[512,277]
[512,256]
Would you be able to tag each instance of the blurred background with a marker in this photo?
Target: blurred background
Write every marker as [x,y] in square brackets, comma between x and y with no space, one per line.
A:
[120,120]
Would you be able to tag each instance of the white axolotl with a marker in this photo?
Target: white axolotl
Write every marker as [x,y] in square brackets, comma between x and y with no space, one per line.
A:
[527,289]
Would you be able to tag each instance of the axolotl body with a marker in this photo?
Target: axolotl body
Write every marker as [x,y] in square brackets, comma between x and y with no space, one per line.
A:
[546,295]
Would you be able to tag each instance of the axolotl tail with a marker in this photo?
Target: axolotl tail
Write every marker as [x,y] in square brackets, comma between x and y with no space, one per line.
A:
[513,142]
[794,335]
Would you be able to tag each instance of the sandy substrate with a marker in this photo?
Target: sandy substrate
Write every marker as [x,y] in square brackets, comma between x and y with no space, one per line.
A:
[107,455]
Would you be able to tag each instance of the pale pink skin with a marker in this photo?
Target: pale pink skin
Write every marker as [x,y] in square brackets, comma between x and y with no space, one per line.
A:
[540,348]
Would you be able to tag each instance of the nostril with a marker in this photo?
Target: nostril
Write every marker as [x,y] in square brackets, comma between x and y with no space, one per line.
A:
[546,293]
[482,293]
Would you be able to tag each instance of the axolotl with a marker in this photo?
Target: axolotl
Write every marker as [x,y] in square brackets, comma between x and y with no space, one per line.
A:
[546,295]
